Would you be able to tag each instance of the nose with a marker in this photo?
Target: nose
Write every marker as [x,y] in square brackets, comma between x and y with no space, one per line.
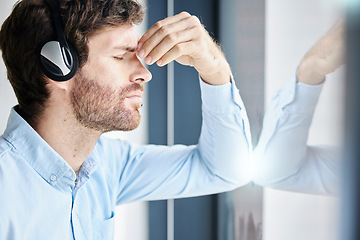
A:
[141,74]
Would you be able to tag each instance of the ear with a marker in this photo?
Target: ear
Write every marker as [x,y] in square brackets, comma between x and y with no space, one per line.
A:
[59,86]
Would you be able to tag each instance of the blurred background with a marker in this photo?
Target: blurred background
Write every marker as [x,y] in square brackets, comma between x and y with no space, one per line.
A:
[263,41]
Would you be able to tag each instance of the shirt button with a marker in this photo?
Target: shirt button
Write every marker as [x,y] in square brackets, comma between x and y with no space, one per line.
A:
[69,173]
[53,178]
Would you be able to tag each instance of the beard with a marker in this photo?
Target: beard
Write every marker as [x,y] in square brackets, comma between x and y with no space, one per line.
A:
[102,108]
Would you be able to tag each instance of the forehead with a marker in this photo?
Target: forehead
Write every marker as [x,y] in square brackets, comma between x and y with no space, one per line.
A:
[110,38]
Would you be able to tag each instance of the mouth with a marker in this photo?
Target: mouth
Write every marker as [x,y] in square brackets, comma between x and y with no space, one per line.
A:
[135,94]
[135,97]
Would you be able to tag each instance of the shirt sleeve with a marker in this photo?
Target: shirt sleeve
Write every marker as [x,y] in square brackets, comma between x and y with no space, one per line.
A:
[283,160]
[219,162]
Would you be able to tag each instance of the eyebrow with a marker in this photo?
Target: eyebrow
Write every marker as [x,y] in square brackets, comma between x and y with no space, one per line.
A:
[126,48]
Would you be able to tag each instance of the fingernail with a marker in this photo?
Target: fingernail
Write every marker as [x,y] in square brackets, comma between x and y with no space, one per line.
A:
[142,53]
[159,63]
[148,59]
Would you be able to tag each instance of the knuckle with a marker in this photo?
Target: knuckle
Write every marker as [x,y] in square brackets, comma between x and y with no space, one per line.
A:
[185,14]
[158,25]
[198,32]
[178,48]
[164,30]
[171,37]
[195,20]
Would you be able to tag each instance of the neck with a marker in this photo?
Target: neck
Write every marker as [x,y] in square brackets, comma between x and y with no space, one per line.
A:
[72,141]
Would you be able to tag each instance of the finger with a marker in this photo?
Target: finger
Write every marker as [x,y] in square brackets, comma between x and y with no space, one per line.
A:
[169,42]
[181,50]
[145,47]
[169,34]
[162,23]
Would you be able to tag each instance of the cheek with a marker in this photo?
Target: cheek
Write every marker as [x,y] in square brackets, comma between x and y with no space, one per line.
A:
[107,71]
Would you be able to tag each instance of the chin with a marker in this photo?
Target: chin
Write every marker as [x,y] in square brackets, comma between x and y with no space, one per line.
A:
[107,121]
[125,123]
[131,126]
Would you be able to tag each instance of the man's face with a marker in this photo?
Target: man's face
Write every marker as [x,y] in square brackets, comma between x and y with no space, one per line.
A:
[107,90]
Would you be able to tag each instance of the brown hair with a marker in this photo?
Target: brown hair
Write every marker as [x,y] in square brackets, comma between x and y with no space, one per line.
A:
[29,26]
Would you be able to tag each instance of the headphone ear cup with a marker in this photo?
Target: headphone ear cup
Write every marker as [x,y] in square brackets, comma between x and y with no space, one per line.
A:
[57,62]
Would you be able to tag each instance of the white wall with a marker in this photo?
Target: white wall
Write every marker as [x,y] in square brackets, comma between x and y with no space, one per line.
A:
[292,27]
[7,95]
[131,220]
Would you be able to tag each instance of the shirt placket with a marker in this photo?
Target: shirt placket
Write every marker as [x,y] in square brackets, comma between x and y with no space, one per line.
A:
[80,212]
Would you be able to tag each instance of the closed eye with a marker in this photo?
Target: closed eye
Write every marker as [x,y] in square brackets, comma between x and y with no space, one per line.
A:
[119,57]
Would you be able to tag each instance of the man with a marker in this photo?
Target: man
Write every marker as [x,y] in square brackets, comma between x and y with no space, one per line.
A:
[282,158]
[59,178]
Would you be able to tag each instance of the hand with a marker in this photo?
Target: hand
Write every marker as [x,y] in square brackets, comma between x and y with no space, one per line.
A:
[324,57]
[183,38]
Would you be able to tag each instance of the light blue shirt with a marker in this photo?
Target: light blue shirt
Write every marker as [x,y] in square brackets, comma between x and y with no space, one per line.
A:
[283,160]
[42,198]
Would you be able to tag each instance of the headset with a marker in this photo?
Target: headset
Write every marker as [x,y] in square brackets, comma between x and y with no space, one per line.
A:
[58,59]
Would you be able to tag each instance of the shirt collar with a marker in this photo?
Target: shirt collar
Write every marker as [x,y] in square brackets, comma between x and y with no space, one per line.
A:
[37,152]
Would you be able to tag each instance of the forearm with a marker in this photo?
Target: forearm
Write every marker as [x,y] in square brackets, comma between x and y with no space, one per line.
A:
[318,172]
[218,70]
[308,73]
[323,58]
[225,141]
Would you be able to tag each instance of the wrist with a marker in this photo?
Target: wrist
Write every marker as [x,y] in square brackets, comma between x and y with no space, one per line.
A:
[308,73]
[221,76]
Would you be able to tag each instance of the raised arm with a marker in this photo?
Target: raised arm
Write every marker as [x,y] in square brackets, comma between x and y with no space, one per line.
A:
[283,158]
[220,161]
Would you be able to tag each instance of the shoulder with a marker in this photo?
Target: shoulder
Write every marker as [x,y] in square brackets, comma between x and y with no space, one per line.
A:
[12,164]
